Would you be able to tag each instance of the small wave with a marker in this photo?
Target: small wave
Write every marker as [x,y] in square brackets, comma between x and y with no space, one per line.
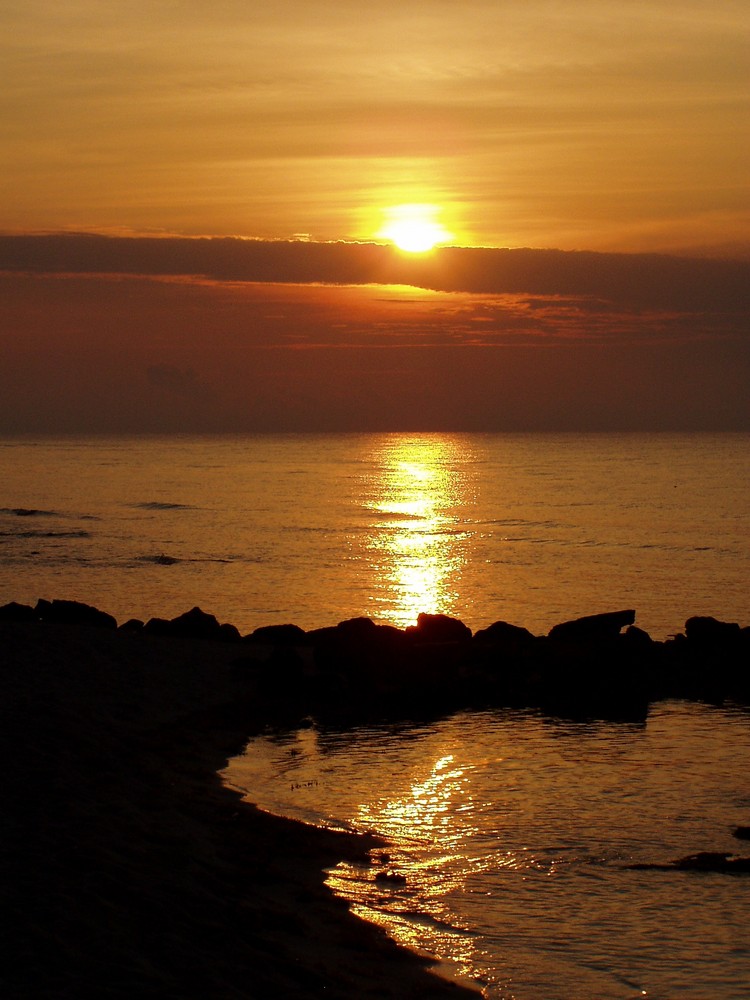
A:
[29,512]
[160,505]
[45,534]
[394,515]
[162,559]
[37,512]
[522,522]
[428,920]
[309,529]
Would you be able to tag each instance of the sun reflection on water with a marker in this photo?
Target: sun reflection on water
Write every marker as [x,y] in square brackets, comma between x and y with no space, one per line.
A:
[427,810]
[416,542]
[429,829]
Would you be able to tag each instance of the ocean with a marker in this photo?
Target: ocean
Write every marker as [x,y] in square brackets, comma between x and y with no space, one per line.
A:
[312,529]
[511,832]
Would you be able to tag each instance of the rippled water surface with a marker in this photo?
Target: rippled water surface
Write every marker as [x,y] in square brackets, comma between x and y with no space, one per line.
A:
[533,529]
[511,838]
[511,832]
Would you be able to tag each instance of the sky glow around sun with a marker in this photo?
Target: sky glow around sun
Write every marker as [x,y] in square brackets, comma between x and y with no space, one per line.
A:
[414,228]
[315,216]
[628,143]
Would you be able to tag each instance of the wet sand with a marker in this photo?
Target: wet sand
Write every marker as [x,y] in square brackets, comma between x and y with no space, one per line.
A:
[130,869]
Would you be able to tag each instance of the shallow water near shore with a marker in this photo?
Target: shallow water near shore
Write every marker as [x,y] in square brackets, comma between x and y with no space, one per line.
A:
[510,838]
[312,529]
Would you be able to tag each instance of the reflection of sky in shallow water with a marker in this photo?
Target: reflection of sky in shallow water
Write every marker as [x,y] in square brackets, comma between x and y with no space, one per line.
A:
[415,545]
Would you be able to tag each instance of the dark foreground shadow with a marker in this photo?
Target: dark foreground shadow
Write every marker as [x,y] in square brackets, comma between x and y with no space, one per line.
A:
[129,870]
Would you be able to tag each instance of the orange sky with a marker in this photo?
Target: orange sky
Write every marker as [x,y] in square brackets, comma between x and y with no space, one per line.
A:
[615,129]
[588,124]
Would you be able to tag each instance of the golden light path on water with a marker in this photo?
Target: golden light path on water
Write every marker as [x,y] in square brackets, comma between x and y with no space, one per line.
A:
[432,833]
[424,813]
[419,552]
[415,544]
[509,839]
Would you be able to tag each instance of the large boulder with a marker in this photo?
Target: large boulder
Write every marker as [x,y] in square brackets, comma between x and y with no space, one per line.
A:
[706,631]
[504,634]
[593,628]
[438,628]
[704,861]
[73,613]
[193,624]
[637,638]
[15,612]
[278,635]
[358,636]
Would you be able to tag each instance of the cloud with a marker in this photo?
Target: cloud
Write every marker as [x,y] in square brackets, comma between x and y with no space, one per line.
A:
[636,280]
[154,348]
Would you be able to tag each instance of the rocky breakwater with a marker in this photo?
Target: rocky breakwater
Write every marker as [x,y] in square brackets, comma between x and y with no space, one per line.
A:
[599,665]
[128,868]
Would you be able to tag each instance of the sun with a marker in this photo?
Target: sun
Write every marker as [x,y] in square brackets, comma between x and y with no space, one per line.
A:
[414,228]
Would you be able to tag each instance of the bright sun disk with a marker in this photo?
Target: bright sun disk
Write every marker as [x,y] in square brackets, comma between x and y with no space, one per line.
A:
[414,228]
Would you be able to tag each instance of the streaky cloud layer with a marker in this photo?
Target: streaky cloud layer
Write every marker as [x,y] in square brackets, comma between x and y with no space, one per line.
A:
[212,335]
[647,280]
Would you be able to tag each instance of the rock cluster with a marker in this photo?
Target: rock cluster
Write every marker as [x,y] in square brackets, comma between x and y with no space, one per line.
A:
[601,665]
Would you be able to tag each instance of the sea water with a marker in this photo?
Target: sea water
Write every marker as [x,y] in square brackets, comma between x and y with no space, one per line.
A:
[313,529]
[511,836]
[511,833]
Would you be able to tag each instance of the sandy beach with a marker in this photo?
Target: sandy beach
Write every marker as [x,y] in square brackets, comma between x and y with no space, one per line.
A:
[130,870]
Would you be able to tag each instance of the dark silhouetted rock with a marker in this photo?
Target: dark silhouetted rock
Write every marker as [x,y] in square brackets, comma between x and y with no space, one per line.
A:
[593,628]
[158,626]
[283,676]
[278,635]
[504,634]
[193,624]
[322,637]
[354,633]
[707,631]
[358,629]
[357,659]
[711,661]
[73,613]
[593,678]
[228,633]
[132,625]
[439,628]
[705,861]
[357,637]
[196,624]
[14,612]
[712,861]
[636,637]
[361,631]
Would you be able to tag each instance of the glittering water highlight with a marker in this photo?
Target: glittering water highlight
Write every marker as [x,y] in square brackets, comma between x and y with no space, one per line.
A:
[313,529]
[510,836]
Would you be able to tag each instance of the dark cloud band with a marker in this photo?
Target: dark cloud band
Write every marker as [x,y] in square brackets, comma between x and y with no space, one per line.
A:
[647,280]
